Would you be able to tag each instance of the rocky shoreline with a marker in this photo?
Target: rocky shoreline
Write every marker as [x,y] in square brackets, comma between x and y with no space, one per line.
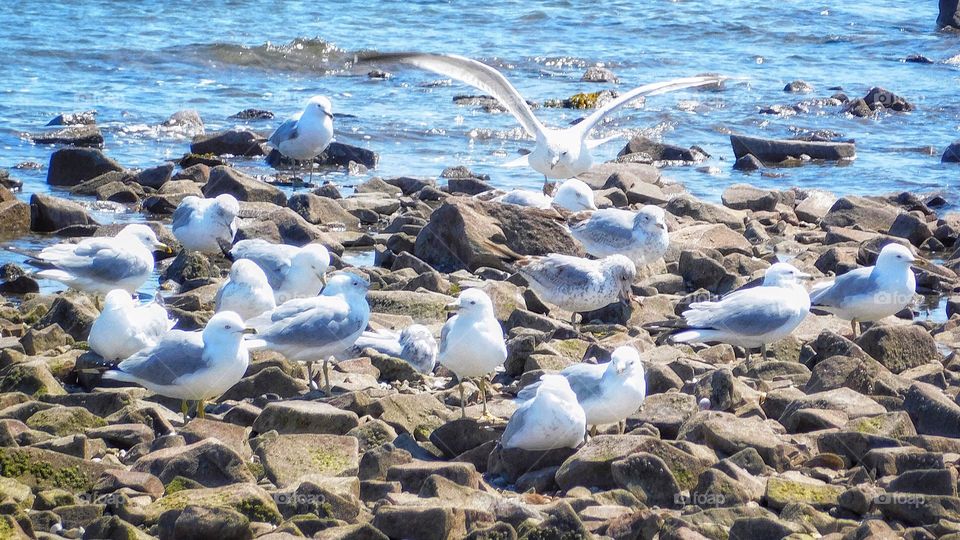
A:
[830,438]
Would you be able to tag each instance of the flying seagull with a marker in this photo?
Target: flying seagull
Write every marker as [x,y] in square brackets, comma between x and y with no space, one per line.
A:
[559,153]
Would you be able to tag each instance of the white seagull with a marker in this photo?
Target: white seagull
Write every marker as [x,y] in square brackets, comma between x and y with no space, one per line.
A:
[559,153]
[326,326]
[572,194]
[293,272]
[753,317]
[194,366]
[471,342]
[246,291]
[414,344]
[547,418]
[206,225]
[102,264]
[306,134]
[641,236]
[608,393]
[124,328]
[873,292]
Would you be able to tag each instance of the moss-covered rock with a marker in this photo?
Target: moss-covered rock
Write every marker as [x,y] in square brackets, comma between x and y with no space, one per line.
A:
[62,421]
[47,469]
[286,458]
[250,500]
[17,492]
[783,491]
[33,378]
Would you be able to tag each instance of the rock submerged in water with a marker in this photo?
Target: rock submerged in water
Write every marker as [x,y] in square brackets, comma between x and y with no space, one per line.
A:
[773,151]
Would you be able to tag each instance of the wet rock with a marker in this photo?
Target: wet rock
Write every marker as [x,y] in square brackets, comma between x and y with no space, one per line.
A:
[209,462]
[932,412]
[155,177]
[322,210]
[224,179]
[952,153]
[467,186]
[747,197]
[71,166]
[188,120]
[879,97]
[949,15]
[798,87]
[232,142]
[49,213]
[287,458]
[469,233]
[340,155]
[74,119]
[899,348]
[747,162]
[198,174]
[775,151]
[292,417]
[661,151]
[252,114]
[79,136]
[598,74]
[16,214]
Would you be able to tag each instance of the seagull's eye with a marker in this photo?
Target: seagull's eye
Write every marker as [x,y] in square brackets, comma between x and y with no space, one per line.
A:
[228,327]
[472,303]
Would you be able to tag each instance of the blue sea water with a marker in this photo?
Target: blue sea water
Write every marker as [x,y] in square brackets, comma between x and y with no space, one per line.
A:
[136,64]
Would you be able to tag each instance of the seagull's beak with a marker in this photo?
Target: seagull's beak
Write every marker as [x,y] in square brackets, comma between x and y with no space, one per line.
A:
[249,330]
[554,161]
[627,293]
[804,277]
[328,114]
[621,368]
[922,263]
[163,248]
[661,225]
[453,306]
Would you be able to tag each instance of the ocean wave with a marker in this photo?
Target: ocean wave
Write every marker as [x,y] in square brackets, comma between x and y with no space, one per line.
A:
[301,55]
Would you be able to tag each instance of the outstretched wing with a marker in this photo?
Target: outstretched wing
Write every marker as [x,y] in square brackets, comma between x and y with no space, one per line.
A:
[475,74]
[653,89]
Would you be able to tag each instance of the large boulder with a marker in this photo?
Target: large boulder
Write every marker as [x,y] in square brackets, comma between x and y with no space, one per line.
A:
[747,197]
[686,206]
[949,16]
[932,412]
[866,214]
[209,462]
[16,214]
[49,213]
[81,136]
[899,348]
[776,151]
[305,417]
[233,142]
[287,458]
[662,152]
[224,179]
[470,233]
[70,166]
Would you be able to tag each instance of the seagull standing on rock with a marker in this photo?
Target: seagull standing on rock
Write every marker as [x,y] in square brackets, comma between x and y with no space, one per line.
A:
[293,272]
[326,326]
[873,292]
[124,328]
[559,153]
[753,317]
[471,342]
[206,225]
[576,284]
[547,418]
[246,291]
[305,135]
[608,393]
[100,265]
[641,236]
[191,366]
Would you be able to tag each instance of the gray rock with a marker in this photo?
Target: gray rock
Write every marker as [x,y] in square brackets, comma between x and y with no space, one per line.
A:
[201,522]
[340,155]
[233,142]
[70,166]
[949,15]
[73,312]
[798,87]
[899,348]
[224,179]
[866,214]
[305,417]
[661,151]
[597,74]
[747,197]
[688,206]
[322,210]
[932,412]
[776,151]
[911,227]
[648,477]
[155,177]
[80,136]
[16,214]
[74,119]
[952,153]
[879,97]
[209,462]
[815,205]
[49,213]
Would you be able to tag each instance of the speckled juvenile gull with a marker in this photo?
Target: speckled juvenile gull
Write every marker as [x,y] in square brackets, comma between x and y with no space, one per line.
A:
[415,344]
[100,265]
[753,317]
[609,392]
[873,292]
[547,418]
[471,342]
[559,153]
[572,194]
[191,366]
[577,284]
[124,328]
[310,329]
[306,134]
[641,236]
[293,272]
[206,225]
[246,291]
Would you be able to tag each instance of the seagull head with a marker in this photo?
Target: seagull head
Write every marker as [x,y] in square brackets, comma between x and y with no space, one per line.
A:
[898,256]
[650,219]
[346,284]
[782,274]
[314,259]
[145,236]
[623,271]
[117,299]
[225,327]
[625,361]
[319,105]
[247,271]
[227,207]
[574,195]
[472,302]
